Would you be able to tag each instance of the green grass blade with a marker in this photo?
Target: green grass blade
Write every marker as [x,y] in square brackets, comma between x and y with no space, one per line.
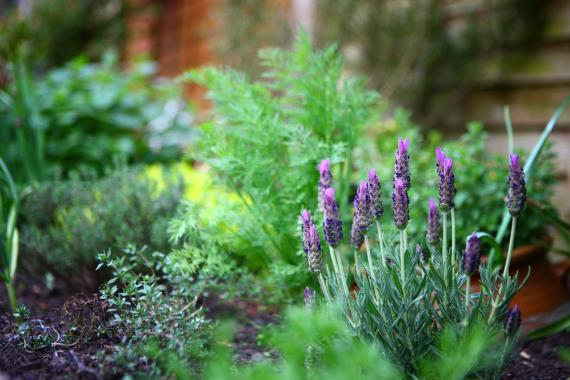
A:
[14,255]
[551,329]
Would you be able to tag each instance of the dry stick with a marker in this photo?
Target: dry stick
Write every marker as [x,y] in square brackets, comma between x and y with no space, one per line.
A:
[506,269]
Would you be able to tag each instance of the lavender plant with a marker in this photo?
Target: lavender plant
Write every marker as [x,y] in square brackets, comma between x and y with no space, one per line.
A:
[407,297]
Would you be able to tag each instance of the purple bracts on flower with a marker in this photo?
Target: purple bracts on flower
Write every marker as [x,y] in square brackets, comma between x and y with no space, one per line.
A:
[513,320]
[332,225]
[447,188]
[374,193]
[356,236]
[306,223]
[472,255]
[432,223]
[421,253]
[400,204]
[516,197]
[362,208]
[440,157]
[314,255]
[325,181]
[401,162]
[309,297]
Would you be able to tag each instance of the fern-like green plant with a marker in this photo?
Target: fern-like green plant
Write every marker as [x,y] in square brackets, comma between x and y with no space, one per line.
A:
[265,139]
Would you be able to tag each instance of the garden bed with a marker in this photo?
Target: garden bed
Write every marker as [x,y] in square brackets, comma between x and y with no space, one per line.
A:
[55,312]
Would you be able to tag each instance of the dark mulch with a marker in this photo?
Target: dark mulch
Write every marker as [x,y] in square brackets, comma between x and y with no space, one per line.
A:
[538,359]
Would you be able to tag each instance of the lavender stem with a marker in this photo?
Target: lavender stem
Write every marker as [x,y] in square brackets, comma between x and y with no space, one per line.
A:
[453,262]
[381,240]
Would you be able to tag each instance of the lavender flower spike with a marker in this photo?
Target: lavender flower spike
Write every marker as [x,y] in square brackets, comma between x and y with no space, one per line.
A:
[309,297]
[472,255]
[362,208]
[513,320]
[447,188]
[374,193]
[332,225]
[356,236]
[401,162]
[516,197]
[440,157]
[432,223]
[325,181]
[306,223]
[314,255]
[421,253]
[400,203]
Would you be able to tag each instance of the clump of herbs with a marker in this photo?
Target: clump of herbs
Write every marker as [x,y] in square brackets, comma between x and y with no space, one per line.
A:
[66,222]
[152,310]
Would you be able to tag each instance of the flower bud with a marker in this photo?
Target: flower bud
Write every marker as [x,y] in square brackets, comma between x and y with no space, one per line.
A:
[400,204]
[447,188]
[325,181]
[309,297]
[356,236]
[314,255]
[432,223]
[374,193]
[472,255]
[516,197]
[362,210]
[401,162]
[422,254]
[513,321]
[306,223]
[332,225]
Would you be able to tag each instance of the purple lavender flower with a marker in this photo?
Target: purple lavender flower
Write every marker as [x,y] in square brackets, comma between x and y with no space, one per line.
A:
[447,188]
[314,245]
[472,255]
[440,159]
[400,204]
[421,253]
[332,225]
[362,208]
[513,320]
[374,193]
[356,236]
[325,181]
[309,297]
[401,162]
[306,223]
[516,197]
[432,223]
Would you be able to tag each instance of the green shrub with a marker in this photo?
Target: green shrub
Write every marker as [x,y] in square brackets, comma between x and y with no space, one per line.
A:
[66,223]
[162,332]
[86,115]
[266,139]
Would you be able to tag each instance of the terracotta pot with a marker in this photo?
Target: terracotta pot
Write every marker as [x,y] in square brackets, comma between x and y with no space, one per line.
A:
[544,291]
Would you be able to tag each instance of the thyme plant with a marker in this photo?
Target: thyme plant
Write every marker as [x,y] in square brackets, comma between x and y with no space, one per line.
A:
[406,296]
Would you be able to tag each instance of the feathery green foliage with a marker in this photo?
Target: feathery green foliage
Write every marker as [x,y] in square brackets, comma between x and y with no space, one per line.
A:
[266,138]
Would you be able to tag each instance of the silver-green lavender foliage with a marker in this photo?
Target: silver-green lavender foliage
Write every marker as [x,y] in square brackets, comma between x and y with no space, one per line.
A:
[411,301]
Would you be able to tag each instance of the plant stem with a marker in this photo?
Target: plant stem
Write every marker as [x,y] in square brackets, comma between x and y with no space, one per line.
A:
[467,289]
[402,269]
[11,296]
[444,248]
[371,268]
[333,259]
[495,303]
[324,287]
[341,269]
[381,240]
[453,263]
